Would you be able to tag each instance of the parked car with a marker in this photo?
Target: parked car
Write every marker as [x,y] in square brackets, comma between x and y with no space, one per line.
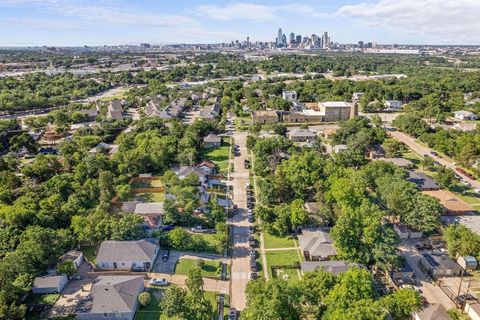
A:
[434,153]
[254,276]
[253,266]
[232,314]
[251,229]
[247,185]
[199,229]
[251,219]
[165,254]
[168,227]
[159,282]
[253,254]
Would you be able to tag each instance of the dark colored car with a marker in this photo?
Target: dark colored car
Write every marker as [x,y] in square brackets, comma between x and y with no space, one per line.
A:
[232,315]
[168,227]
[165,254]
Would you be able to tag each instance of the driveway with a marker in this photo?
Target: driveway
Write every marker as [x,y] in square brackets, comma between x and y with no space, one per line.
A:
[430,290]
[72,292]
[209,284]
[240,257]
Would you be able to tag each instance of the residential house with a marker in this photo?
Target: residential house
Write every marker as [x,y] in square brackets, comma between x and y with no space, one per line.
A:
[151,212]
[211,112]
[440,265]
[453,205]
[49,284]
[184,171]
[111,297]
[468,263]
[289,95]
[465,115]
[339,148]
[127,255]
[393,105]
[115,110]
[91,114]
[212,141]
[74,255]
[103,147]
[153,110]
[333,267]
[434,311]
[357,96]
[404,232]
[264,116]
[399,162]
[207,167]
[301,135]
[423,182]
[316,245]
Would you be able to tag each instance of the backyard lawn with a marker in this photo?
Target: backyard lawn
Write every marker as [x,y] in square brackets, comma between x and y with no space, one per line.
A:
[219,156]
[153,310]
[283,257]
[150,197]
[210,269]
[467,195]
[211,242]
[147,184]
[273,242]
[48,299]
[90,253]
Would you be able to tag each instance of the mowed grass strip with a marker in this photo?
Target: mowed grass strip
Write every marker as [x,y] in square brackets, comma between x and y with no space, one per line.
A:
[275,242]
[209,269]
[281,258]
[219,156]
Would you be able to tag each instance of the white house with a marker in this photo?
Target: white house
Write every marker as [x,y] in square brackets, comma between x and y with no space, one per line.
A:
[49,284]
[289,95]
[127,255]
[75,255]
[393,105]
[465,115]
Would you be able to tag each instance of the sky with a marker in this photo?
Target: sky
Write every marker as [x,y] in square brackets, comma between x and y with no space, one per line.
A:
[116,22]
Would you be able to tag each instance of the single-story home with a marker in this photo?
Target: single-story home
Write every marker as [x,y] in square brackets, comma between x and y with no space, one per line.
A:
[333,267]
[184,171]
[127,255]
[399,162]
[264,116]
[212,141]
[151,212]
[434,311]
[103,147]
[316,245]
[393,105]
[339,148]
[465,115]
[404,232]
[404,274]
[423,182]
[452,203]
[207,167]
[49,284]
[301,135]
[440,265]
[74,255]
[210,112]
[111,297]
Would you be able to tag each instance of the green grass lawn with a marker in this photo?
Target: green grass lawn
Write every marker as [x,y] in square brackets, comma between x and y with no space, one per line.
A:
[90,252]
[49,299]
[278,258]
[147,184]
[219,156]
[273,242]
[287,274]
[150,196]
[211,240]
[154,312]
[466,194]
[210,268]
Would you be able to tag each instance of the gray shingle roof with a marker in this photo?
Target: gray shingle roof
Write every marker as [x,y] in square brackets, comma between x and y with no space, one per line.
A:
[111,294]
[141,250]
[149,208]
[47,281]
[213,138]
[422,180]
[434,312]
[317,243]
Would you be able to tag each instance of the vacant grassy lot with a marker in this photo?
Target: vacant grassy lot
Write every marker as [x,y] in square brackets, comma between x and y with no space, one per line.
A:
[211,241]
[147,184]
[219,156]
[286,274]
[273,242]
[210,269]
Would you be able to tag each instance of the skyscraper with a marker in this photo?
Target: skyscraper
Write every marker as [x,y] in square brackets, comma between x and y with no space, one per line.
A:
[299,39]
[284,40]
[292,38]
[279,37]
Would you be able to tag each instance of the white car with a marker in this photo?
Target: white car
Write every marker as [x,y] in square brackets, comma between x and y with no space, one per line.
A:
[477,191]
[159,282]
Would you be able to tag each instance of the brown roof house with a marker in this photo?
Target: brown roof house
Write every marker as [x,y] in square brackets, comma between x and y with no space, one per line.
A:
[316,245]
[111,297]
[264,116]
[115,110]
[151,213]
[434,311]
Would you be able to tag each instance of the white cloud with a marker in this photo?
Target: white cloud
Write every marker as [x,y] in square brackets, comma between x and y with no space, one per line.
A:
[258,12]
[453,21]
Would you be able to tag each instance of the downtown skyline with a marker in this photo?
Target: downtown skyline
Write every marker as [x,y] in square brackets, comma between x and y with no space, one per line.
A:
[118,22]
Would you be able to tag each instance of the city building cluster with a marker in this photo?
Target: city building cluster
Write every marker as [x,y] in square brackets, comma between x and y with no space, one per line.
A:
[297,41]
